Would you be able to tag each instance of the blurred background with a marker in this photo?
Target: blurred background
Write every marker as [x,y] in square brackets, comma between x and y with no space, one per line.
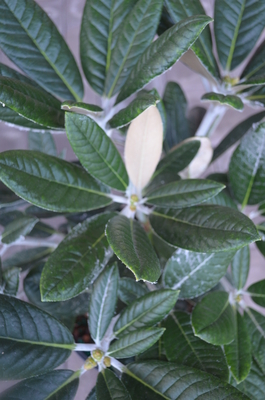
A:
[67,15]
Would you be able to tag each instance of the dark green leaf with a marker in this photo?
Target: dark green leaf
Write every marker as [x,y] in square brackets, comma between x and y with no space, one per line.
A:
[63,310]
[213,319]
[129,290]
[146,311]
[256,328]
[12,73]
[195,273]
[31,103]
[135,342]
[158,380]
[81,108]
[92,394]
[240,267]
[27,258]
[236,134]
[48,59]
[43,142]
[30,345]
[238,353]
[103,302]
[256,65]
[184,348]
[204,228]
[11,281]
[10,216]
[228,100]
[223,199]
[163,53]
[109,387]
[176,109]
[55,385]
[163,178]
[100,30]
[247,167]
[178,158]
[13,118]
[40,212]
[54,184]
[77,261]
[143,101]
[257,292]
[195,117]
[19,227]
[96,151]
[130,243]
[184,193]
[203,46]
[42,230]
[8,199]
[237,27]
[254,384]
[136,34]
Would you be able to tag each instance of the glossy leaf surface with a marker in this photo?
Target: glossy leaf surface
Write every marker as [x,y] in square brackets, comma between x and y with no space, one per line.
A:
[64,310]
[184,193]
[52,385]
[158,380]
[236,134]
[247,167]
[19,227]
[163,53]
[130,243]
[176,109]
[257,292]
[54,184]
[146,311]
[96,151]
[25,259]
[242,21]
[129,290]
[227,100]
[238,352]
[31,103]
[12,117]
[33,344]
[213,319]
[204,228]
[100,28]
[256,328]
[81,108]
[135,342]
[109,387]
[77,261]
[195,273]
[183,347]
[11,281]
[136,34]
[178,158]
[103,302]
[203,46]
[143,101]
[49,60]
[240,267]
[254,384]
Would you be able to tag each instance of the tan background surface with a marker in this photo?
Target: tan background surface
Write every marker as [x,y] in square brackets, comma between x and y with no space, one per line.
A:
[67,16]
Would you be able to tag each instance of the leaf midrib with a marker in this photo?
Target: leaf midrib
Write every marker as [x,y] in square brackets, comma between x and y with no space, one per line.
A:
[103,159]
[46,58]
[233,43]
[58,345]
[197,226]
[222,311]
[58,183]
